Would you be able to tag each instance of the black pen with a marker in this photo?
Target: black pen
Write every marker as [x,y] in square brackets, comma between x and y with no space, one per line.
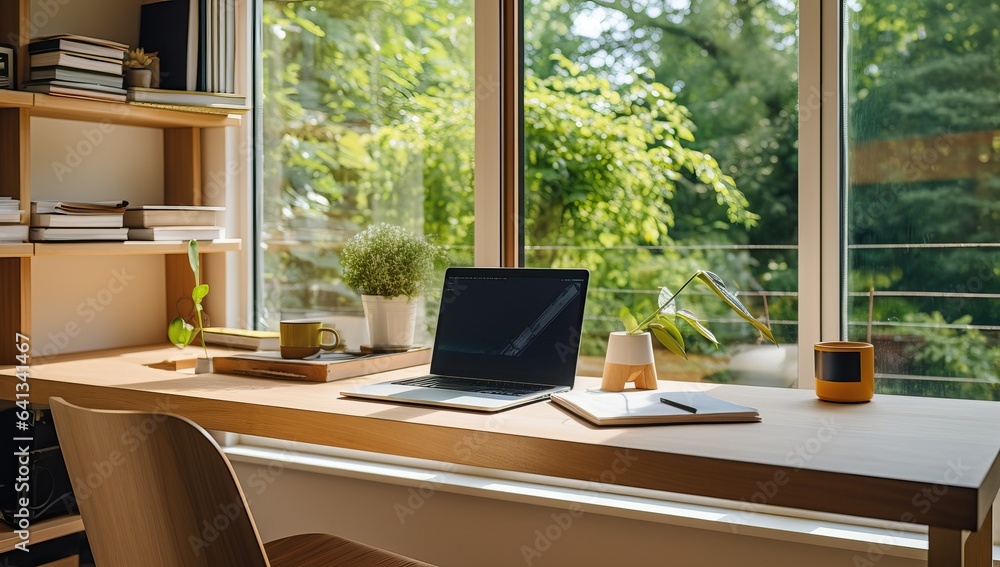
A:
[679,405]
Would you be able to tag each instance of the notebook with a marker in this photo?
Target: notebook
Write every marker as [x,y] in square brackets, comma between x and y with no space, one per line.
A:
[505,337]
[639,407]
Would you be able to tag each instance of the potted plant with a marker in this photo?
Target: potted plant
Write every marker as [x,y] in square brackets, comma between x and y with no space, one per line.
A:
[630,352]
[182,333]
[137,71]
[390,267]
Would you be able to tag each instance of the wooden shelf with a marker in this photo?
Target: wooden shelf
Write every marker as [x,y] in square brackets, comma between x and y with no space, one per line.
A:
[133,248]
[15,99]
[16,250]
[67,108]
[42,531]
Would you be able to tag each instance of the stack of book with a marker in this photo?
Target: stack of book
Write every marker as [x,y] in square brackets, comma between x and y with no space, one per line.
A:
[60,221]
[10,217]
[173,222]
[77,66]
[195,41]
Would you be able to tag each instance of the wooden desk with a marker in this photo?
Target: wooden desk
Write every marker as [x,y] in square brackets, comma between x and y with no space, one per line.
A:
[915,460]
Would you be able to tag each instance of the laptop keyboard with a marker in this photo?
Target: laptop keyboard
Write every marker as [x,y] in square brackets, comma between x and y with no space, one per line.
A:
[473,385]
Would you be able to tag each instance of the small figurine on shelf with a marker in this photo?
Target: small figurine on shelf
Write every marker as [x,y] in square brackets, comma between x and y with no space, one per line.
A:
[137,71]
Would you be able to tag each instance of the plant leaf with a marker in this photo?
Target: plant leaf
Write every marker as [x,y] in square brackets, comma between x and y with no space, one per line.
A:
[662,302]
[669,335]
[666,339]
[716,284]
[180,332]
[194,260]
[692,320]
[199,293]
[627,319]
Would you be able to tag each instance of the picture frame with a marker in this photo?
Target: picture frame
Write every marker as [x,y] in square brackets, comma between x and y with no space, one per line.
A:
[8,66]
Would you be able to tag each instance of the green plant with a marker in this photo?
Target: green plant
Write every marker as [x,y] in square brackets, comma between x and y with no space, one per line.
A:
[389,261]
[661,321]
[137,59]
[180,332]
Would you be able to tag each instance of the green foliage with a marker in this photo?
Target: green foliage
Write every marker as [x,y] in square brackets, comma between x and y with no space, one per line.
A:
[389,261]
[950,352]
[179,331]
[661,322]
[603,164]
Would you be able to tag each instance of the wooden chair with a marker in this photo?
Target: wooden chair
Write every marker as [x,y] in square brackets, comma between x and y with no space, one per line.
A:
[156,490]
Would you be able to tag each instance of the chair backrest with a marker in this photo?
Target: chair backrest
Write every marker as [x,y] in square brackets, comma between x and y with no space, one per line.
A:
[155,490]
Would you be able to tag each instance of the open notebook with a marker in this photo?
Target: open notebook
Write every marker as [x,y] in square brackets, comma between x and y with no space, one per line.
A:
[637,407]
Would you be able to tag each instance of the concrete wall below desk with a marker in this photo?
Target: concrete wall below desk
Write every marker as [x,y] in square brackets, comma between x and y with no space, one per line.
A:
[456,530]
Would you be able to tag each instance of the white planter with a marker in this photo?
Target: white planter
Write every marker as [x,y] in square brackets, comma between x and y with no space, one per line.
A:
[629,359]
[391,321]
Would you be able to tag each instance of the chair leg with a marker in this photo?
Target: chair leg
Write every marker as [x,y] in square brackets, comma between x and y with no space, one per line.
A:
[324,550]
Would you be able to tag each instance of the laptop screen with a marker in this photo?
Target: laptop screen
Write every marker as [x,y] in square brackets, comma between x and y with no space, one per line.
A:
[512,324]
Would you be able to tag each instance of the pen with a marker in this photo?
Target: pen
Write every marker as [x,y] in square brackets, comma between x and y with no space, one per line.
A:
[679,405]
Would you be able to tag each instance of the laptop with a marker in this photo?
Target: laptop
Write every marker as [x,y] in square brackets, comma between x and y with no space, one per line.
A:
[505,337]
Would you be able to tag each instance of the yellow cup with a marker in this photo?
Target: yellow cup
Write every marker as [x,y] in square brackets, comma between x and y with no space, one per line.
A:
[845,371]
[300,339]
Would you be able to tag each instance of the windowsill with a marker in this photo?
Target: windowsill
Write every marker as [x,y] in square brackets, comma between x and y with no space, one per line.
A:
[826,530]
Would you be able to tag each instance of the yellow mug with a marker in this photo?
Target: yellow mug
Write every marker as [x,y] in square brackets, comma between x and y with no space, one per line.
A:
[300,339]
[845,371]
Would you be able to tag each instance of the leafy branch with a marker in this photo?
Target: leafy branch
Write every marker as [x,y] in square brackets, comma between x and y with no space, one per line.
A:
[661,321]
[180,332]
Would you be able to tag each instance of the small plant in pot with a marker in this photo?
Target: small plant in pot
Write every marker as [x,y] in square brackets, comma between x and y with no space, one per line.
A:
[137,71]
[630,352]
[180,332]
[390,266]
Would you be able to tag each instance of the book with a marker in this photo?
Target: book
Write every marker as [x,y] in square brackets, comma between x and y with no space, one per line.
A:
[233,101]
[13,233]
[71,234]
[10,216]
[62,220]
[91,87]
[149,216]
[79,44]
[640,407]
[229,47]
[165,29]
[242,338]
[177,233]
[63,74]
[326,367]
[84,62]
[202,82]
[79,207]
[91,42]
[77,90]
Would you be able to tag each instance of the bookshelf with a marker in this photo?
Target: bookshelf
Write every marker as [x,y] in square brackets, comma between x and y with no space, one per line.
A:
[43,531]
[133,248]
[182,129]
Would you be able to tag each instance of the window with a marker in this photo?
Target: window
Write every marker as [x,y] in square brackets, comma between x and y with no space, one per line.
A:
[922,193]
[368,116]
[660,137]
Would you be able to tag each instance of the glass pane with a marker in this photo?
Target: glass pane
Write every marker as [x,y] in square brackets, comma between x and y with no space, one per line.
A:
[367,117]
[660,139]
[923,196]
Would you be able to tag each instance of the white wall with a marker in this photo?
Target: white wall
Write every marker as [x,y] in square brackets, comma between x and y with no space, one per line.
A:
[455,530]
[82,303]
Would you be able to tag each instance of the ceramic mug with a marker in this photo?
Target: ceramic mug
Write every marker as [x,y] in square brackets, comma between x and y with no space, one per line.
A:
[300,339]
[845,371]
